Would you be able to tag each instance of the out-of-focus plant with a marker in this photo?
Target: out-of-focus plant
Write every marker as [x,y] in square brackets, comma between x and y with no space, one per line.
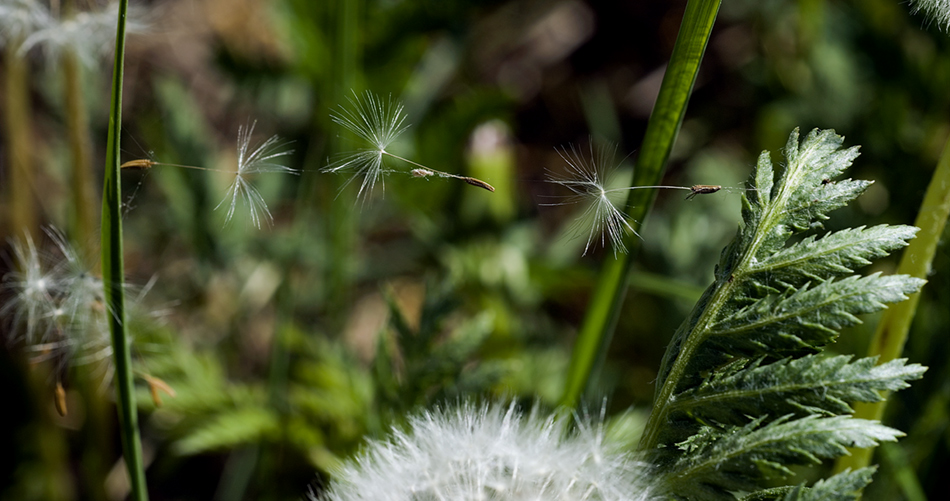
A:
[19,19]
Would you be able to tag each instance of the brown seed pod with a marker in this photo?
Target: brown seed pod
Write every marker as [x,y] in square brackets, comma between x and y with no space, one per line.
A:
[702,189]
[143,163]
[60,399]
[478,182]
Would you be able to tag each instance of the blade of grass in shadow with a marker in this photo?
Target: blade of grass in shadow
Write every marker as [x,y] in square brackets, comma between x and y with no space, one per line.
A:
[113,276]
[664,124]
[891,334]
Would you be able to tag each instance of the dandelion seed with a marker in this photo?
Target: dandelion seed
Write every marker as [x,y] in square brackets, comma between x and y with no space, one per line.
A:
[378,123]
[699,189]
[142,163]
[261,159]
[491,452]
[587,180]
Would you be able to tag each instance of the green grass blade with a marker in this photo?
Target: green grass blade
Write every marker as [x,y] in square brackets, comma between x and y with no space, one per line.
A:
[888,341]
[664,125]
[113,276]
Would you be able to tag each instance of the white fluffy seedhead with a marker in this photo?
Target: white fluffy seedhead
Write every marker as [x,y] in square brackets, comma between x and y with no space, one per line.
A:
[603,218]
[31,290]
[482,452]
[377,122]
[55,306]
[936,10]
[88,34]
[20,19]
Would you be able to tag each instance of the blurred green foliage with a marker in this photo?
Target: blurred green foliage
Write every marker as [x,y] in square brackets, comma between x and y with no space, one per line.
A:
[286,347]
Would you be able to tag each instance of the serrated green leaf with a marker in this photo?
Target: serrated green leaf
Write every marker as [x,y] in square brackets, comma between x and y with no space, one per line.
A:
[834,255]
[734,458]
[811,384]
[845,486]
[808,317]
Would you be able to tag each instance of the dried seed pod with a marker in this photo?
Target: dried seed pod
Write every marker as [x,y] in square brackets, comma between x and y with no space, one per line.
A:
[143,163]
[60,399]
[702,189]
[154,385]
[478,182]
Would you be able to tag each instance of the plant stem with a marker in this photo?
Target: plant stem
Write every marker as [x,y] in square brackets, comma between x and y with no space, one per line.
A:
[662,129]
[18,128]
[78,126]
[113,276]
[891,334]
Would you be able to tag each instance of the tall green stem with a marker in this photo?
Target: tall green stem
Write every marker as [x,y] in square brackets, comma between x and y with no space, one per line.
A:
[113,276]
[891,334]
[668,112]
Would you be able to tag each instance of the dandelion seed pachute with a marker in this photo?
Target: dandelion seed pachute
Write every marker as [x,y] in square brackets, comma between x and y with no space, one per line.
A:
[603,217]
[261,159]
[377,123]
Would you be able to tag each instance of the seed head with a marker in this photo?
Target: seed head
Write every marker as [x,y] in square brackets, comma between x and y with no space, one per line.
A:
[89,34]
[936,10]
[19,19]
[55,305]
[490,452]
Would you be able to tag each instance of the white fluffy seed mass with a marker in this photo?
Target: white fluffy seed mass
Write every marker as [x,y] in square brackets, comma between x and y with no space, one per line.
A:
[490,452]
[937,10]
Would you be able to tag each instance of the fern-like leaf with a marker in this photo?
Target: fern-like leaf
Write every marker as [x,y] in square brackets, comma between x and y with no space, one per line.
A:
[741,393]
[789,387]
[807,318]
[737,458]
[845,486]
[834,255]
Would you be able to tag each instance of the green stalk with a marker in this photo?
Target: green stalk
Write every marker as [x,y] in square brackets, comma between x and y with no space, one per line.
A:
[18,127]
[113,276]
[891,334]
[78,128]
[346,61]
[77,120]
[600,321]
